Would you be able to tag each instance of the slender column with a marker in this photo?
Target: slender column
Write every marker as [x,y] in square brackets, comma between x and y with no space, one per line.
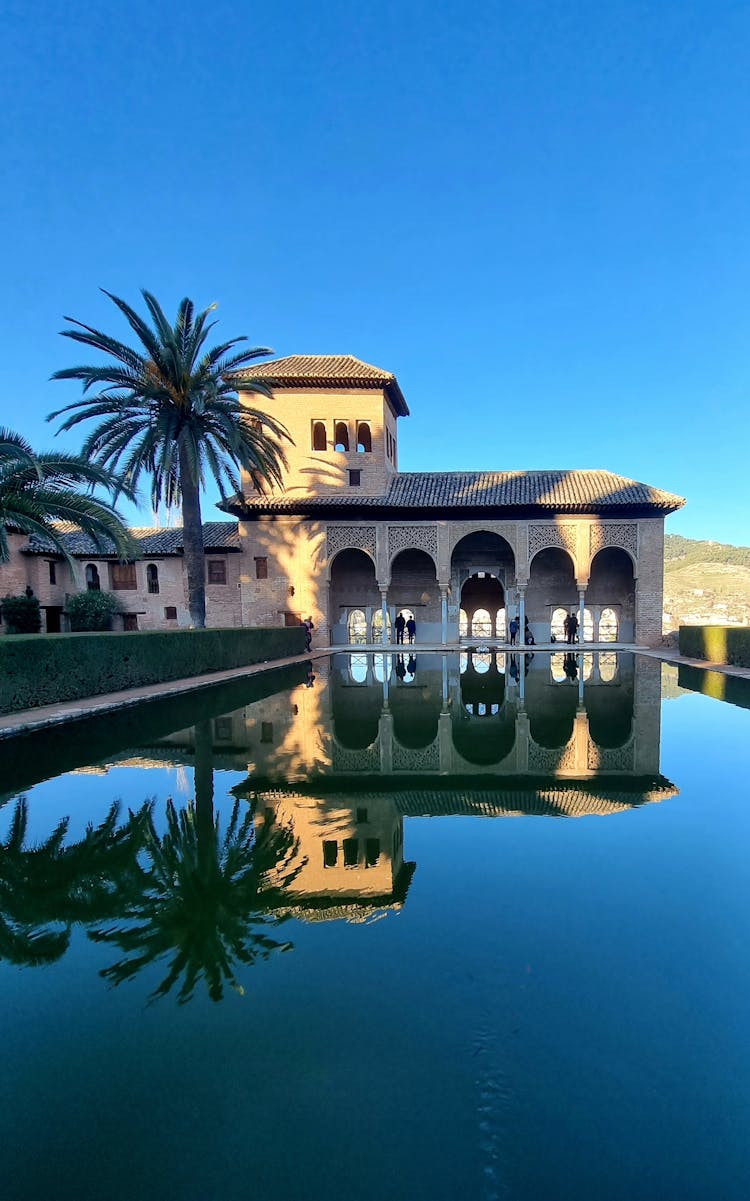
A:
[521,679]
[384,615]
[445,685]
[580,681]
[521,615]
[444,613]
[386,678]
[581,606]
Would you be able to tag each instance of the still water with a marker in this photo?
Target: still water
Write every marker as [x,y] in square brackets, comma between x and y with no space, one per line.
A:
[419,927]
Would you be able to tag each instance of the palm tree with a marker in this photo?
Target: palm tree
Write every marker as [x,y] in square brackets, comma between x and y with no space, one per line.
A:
[37,491]
[203,904]
[171,409]
[47,889]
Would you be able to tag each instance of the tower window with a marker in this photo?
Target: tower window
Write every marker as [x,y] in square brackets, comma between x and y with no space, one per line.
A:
[364,438]
[261,568]
[152,578]
[341,436]
[319,435]
[92,577]
[52,571]
[355,479]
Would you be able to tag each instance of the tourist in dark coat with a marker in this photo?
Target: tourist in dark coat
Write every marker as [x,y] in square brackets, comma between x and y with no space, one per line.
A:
[514,628]
[400,624]
[411,629]
[572,627]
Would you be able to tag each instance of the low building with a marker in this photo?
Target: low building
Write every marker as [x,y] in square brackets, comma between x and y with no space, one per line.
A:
[353,542]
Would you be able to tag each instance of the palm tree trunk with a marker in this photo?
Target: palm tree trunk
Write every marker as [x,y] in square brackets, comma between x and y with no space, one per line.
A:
[192,542]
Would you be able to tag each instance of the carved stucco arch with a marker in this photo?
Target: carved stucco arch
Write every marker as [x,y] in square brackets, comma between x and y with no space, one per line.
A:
[554,535]
[352,537]
[620,535]
[499,528]
[412,537]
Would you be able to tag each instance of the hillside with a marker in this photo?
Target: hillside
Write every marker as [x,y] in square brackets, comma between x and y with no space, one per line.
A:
[705,583]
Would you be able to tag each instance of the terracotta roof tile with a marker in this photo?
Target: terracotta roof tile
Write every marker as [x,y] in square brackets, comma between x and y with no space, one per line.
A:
[553,491]
[217,535]
[309,370]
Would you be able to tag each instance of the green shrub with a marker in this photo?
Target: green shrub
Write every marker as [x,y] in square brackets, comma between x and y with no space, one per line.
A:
[21,614]
[89,611]
[50,668]
[716,644]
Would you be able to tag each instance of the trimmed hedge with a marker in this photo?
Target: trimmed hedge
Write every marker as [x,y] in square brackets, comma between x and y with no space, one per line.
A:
[733,689]
[716,644]
[38,755]
[44,669]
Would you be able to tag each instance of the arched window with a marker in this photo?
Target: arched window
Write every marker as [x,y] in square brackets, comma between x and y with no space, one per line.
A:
[557,625]
[463,623]
[377,625]
[341,436]
[364,438]
[481,624]
[607,666]
[588,665]
[557,666]
[500,627]
[481,662]
[358,668]
[357,626]
[588,626]
[152,578]
[318,435]
[92,577]
[463,662]
[608,626]
[382,667]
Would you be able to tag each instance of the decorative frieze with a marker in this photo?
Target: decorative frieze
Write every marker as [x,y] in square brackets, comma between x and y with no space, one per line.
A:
[426,758]
[350,537]
[412,537]
[346,760]
[623,534]
[618,758]
[544,760]
[562,534]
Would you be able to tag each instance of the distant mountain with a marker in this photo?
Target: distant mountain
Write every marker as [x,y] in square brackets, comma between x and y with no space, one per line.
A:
[705,583]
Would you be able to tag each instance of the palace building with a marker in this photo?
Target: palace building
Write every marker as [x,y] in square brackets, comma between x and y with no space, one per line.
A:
[352,541]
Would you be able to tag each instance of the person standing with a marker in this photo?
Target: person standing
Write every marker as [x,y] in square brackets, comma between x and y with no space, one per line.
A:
[572,627]
[400,623]
[514,628]
[411,629]
[528,637]
[309,627]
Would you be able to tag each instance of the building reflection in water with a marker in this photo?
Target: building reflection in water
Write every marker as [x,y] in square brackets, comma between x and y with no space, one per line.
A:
[381,737]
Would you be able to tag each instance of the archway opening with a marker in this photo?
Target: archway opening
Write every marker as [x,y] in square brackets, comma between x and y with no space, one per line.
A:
[552,591]
[414,593]
[354,596]
[482,566]
[612,586]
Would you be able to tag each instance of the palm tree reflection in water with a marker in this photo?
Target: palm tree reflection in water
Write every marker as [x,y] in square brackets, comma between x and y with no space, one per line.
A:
[198,903]
[47,889]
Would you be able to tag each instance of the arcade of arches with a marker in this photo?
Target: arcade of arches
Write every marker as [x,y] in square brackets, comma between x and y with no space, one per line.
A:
[480,591]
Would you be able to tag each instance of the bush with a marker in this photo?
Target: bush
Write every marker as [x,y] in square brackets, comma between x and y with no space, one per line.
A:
[716,644]
[50,668]
[89,611]
[21,614]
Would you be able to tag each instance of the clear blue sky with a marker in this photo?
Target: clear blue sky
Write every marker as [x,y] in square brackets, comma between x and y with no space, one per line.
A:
[533,212]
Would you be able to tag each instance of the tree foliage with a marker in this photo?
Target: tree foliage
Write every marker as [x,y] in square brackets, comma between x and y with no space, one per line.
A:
[91,611]
[170,410]
[48,495]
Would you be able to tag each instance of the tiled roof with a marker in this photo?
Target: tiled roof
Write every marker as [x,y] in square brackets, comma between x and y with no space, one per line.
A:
[555,491]
[217,535]
[310,370]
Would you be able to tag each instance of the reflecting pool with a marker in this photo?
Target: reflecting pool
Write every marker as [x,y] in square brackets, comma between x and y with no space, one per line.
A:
[407,926]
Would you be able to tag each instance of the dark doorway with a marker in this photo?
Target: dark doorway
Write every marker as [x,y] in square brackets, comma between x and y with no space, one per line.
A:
[53,616]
